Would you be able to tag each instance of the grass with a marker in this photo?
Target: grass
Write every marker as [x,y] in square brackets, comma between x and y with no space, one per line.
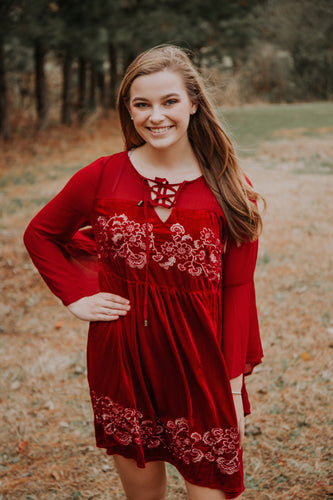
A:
[29,178]
[252,125]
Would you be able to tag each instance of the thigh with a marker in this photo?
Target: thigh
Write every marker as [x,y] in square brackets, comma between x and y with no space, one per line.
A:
[141,484]
[195,492]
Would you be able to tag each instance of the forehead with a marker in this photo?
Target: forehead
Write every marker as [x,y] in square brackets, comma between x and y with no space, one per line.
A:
[157,84]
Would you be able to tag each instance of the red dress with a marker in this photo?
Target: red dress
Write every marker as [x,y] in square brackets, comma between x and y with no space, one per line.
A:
[159,376]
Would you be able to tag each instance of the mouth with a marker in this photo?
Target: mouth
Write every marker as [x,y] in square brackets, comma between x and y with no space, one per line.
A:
[159,130]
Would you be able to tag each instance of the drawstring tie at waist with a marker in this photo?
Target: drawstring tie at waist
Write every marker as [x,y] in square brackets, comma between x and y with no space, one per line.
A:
[157,192]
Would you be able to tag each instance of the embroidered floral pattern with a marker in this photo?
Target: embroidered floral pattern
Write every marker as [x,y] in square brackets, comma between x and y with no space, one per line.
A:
[128,426]
[201,256]
[120,237]
[124,238]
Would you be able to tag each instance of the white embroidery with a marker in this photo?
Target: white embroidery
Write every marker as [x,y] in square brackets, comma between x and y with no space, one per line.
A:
[119,236]
[190,254]
[127,426]
[123,238]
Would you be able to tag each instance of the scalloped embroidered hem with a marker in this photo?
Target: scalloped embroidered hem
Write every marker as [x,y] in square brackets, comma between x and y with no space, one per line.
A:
[174,438]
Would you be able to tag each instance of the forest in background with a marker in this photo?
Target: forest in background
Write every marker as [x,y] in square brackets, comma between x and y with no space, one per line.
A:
[61,60]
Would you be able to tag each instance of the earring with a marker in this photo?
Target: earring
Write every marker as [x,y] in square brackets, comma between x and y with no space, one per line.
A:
[131,117]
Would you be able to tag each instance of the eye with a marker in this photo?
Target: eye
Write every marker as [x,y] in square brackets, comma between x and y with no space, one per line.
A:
[170,102]
[140,105]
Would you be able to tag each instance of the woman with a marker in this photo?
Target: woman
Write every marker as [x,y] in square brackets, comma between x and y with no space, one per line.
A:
[171,298]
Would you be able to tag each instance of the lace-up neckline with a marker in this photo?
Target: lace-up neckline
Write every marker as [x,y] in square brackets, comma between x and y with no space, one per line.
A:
[162,192]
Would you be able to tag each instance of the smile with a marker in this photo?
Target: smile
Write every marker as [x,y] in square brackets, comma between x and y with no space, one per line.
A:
[159,130]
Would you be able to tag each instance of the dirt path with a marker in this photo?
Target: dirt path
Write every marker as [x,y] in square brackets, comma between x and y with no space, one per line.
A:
[47,443]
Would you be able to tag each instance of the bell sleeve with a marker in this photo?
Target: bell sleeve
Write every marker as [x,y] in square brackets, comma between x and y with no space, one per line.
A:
[60,242]
[241,344]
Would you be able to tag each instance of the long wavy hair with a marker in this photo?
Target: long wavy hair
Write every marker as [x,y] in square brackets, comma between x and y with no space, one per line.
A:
[210,143]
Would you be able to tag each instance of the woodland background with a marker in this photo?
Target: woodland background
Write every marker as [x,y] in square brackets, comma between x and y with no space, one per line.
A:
[269,66]
[61,60]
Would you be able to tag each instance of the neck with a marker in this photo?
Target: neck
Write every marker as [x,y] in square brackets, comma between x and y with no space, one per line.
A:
[170,158]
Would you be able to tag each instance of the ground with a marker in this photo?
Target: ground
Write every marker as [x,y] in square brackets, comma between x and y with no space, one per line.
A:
[46,433]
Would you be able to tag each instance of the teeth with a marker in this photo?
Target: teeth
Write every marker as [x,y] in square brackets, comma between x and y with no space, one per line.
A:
[159,130]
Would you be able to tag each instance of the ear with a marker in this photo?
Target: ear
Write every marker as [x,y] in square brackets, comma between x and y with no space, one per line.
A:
[194,108]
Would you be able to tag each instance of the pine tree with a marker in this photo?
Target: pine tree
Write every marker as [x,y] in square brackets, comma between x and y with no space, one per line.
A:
[7,19]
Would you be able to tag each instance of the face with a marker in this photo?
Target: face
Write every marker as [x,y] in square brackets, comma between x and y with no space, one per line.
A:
[161,108]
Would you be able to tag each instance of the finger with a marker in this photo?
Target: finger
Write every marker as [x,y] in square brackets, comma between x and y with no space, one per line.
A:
[116,305]
[111,305]
[112,311]
[105,317]
[115,298]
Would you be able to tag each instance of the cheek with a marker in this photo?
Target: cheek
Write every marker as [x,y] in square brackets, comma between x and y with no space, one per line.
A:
[184,118]
[184,114]
[139,116]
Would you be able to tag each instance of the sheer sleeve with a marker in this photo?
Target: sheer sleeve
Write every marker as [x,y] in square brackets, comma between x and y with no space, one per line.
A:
[63,253]
[241,343]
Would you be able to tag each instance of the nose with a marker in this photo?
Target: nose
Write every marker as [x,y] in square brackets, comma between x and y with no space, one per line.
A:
[156,114]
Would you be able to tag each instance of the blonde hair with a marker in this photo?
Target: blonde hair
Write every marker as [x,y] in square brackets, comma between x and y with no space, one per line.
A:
[210,143]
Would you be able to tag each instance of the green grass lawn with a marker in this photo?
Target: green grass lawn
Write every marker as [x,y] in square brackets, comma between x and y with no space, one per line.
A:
[251,125]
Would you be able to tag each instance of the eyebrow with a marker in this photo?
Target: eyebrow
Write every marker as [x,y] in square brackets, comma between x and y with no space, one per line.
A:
[173,94]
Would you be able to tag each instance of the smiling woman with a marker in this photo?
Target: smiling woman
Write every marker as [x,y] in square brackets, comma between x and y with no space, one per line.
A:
[161,108]
[166,280]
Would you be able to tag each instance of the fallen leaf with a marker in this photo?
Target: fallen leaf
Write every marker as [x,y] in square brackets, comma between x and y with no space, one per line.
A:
[56,475]
[22,446]
[49,405]
[305,356]
[106,468]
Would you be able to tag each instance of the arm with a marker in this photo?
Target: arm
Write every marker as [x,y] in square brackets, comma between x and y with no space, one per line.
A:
[48,239]
[51,230]
[241,343]
[236,389]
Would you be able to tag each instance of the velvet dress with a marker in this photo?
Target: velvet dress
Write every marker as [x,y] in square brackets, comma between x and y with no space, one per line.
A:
[159,376]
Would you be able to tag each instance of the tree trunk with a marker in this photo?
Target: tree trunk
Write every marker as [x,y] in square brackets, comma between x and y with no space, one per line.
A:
[4,120]
[113,75]
[66,109]
[82,89]
[92,89]
[42,107]
[329,80]
[101,88]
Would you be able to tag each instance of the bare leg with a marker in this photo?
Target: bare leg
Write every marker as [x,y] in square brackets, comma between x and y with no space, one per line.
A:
[200,493]
[141,484]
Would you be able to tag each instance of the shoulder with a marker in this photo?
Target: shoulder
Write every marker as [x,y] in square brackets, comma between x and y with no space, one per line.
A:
[100,163]
[94,170]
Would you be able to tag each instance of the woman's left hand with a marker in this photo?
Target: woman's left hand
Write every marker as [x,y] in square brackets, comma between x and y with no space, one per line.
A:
[238,402]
